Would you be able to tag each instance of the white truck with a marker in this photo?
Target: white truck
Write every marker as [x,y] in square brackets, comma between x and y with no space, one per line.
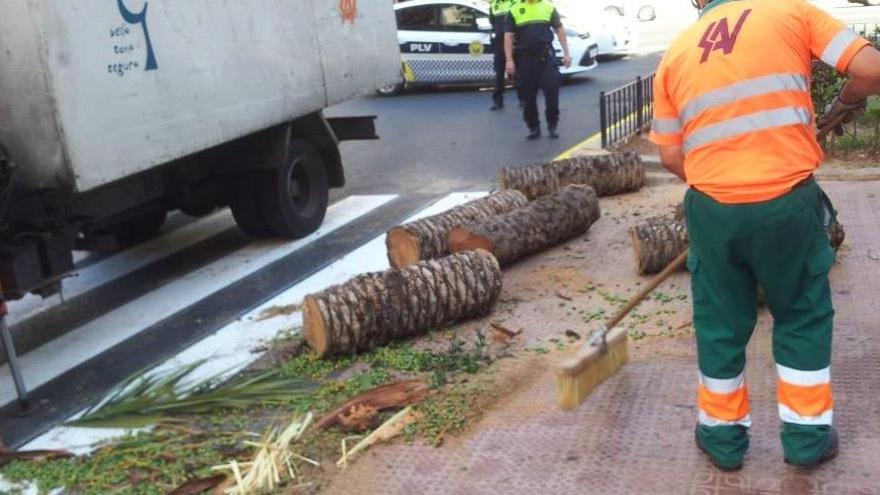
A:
[114,112]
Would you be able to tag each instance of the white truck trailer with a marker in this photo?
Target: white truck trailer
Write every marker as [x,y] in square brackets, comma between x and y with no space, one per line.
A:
[114,112]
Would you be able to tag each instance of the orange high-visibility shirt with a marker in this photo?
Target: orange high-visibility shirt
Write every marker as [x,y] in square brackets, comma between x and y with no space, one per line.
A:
[734,91]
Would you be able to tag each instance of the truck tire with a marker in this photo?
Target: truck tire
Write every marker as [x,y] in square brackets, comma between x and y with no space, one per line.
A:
[293,198]
[246,207]
[139,228]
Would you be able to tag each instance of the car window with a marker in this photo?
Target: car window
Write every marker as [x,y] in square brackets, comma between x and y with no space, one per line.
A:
[420,18]
[459,18]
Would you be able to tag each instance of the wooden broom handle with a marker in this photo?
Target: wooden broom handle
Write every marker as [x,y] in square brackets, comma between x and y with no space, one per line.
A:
[677,264]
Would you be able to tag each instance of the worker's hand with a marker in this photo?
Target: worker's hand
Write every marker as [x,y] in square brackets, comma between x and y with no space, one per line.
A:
[566,61]
[840,112]
[510,69]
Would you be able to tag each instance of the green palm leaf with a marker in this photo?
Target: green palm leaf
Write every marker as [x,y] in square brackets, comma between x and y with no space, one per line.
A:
[146,398]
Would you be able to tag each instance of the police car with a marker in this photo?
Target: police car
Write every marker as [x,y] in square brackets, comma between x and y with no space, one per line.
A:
[451,42]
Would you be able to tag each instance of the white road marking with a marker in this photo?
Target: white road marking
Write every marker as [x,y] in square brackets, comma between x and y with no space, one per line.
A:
[237,345]
[125,262]
[121,323]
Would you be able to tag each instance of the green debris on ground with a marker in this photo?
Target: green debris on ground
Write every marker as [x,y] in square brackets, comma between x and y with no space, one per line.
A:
[157,461]
[141,463]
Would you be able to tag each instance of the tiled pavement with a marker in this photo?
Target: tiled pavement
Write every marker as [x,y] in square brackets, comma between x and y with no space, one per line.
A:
[635,434]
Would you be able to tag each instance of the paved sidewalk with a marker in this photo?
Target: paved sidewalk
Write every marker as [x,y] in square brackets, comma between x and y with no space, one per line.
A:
[635,433]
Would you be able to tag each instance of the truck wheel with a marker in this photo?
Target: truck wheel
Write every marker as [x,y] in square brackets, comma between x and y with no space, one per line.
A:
[293,198]
[140,228]
[246,207]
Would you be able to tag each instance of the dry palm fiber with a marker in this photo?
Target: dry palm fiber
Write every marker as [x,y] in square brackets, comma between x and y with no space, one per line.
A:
[611,174]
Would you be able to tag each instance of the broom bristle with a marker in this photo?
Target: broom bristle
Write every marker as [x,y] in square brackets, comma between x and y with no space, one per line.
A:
[581,374]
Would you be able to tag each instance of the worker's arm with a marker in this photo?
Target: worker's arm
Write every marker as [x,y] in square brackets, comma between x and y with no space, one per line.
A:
[864,75]
[672,158]
[563,40]
[510,67]
[864,81]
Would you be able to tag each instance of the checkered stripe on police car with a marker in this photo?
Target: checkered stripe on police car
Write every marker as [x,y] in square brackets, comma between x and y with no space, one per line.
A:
[443,71]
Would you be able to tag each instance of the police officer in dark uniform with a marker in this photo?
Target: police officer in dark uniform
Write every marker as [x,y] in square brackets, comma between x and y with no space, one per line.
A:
[498,11]
[528,46]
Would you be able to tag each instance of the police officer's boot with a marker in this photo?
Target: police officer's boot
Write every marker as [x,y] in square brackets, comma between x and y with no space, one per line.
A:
[534,132]
[497,105]
[551,131]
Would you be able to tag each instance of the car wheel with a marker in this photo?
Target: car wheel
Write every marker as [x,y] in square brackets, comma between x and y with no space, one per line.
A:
[392,89]
[293,198]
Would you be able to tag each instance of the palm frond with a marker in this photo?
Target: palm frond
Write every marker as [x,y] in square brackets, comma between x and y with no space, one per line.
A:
[149,398]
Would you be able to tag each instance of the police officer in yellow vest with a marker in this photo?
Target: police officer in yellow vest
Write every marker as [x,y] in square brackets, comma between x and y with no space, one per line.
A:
[528,46]
[498,12]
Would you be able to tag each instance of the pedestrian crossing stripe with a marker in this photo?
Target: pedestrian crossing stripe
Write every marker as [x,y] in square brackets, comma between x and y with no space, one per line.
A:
[233,346]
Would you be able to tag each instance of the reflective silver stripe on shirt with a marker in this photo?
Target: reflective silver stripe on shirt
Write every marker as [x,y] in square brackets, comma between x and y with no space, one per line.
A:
[837,46]
[742,90]
[748,123]
[666,126]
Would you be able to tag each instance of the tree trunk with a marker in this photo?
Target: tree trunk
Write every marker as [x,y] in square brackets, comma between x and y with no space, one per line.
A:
[425,239]
[374,309]
[606,174]
[544,222]
[657,242]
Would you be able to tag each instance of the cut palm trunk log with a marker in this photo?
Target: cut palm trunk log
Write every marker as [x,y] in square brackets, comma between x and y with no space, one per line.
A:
[425,239]
[658,241]
[374,309]
[541,224]
[607,174]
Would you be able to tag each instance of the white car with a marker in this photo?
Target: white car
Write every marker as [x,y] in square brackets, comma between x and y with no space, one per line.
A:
[444,42]
[610,31]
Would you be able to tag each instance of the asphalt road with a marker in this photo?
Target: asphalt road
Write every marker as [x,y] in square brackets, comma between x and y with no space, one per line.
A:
[446,139]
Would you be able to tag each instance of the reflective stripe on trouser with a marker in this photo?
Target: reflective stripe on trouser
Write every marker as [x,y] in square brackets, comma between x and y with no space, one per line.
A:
[805,397]
[723,402]
[780,245]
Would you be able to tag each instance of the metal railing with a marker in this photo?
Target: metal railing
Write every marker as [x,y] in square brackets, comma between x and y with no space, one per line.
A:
[626,111]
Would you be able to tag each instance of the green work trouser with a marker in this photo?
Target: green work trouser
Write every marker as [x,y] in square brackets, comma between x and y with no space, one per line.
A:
[780,245]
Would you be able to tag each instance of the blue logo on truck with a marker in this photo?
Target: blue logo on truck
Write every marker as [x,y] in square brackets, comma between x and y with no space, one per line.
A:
[140,18]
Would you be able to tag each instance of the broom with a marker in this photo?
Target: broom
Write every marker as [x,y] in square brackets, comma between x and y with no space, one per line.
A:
[605,352]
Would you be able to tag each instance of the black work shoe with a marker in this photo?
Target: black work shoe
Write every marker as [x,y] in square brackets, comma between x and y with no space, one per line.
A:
[496,106]
[551,132]
[534,133]
[727,468]
[830,452]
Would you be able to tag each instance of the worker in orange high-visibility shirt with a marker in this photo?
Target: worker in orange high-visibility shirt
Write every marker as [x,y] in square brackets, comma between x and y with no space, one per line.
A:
[734,118]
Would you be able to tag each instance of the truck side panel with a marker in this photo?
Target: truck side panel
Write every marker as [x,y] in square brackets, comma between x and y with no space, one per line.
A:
[138,83]
[346,36]
[27,112]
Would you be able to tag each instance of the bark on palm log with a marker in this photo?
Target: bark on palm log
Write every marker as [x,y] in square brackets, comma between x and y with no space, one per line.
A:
[425,239]
[658,241]
[543,223]
[374,309]
[608,174]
